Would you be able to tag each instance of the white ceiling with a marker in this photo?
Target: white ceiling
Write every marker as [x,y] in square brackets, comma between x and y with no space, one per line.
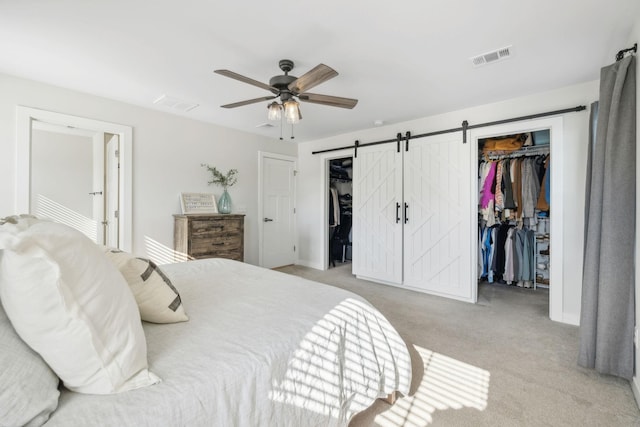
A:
[402,60]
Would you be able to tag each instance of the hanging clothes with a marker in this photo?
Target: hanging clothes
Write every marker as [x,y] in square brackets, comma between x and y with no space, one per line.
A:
[530,188]
[334,207]
[543,202]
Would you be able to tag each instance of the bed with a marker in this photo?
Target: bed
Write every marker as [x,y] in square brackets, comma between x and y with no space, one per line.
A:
[260,348]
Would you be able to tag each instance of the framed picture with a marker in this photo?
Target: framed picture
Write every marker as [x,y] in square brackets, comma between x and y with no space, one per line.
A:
[198,203]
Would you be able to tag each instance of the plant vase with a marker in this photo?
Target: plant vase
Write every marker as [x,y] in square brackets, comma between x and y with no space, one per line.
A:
[224,204]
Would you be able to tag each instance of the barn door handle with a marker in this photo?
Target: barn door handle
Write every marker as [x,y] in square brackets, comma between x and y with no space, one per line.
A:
[268,220]
[406,213]
[397,212]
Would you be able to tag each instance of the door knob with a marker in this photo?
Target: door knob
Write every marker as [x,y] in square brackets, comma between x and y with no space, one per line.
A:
[268,220]
[95,193]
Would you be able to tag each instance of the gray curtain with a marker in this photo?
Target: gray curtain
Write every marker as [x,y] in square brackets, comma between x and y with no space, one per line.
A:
[607,316]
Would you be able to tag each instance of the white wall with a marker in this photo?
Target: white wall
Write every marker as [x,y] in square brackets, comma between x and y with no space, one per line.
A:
[58,172]
[167,153]
[310,218]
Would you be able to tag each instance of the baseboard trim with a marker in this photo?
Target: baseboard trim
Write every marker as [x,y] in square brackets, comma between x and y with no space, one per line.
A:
[635,386]
[571,319]
[310,264]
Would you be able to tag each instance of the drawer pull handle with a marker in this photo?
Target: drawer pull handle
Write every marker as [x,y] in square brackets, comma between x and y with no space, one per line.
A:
[217,244]
[268,220]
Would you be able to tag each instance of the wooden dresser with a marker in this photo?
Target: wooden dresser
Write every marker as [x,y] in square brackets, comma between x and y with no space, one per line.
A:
[209,235]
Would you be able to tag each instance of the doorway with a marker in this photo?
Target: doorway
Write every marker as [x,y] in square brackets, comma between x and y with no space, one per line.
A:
[81,186]
[341,251]
[550,275]
[277,210]
[340,212]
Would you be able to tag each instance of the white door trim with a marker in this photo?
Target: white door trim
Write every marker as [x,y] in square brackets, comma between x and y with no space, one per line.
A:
[24,118]
[555,126]
[324,200]
[261,156]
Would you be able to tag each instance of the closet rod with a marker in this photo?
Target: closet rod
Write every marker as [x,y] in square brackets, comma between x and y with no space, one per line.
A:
[465,126]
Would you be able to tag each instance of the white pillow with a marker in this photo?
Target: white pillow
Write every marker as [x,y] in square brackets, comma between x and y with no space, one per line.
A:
[70,304]
[157,298]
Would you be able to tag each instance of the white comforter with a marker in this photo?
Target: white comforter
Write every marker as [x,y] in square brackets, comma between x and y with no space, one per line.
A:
[261,348]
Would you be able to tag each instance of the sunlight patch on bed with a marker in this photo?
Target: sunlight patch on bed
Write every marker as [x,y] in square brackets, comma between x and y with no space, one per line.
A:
[349,358]
[446,384]
[47,208]
[161,254]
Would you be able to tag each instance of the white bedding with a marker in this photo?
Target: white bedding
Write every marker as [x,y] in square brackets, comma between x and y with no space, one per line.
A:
[261,348]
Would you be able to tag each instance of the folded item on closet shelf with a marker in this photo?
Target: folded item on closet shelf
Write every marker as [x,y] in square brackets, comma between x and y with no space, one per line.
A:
[508,143]
[542,266]
[544,252]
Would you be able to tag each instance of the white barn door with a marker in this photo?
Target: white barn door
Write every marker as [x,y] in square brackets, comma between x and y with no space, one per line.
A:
[377,207]
[437,232]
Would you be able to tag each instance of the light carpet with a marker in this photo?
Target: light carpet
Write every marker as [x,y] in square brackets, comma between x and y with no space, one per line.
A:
[500,362]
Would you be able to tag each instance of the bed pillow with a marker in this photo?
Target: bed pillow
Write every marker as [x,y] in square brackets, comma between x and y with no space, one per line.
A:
[158,300]
[29,391]
[71,305]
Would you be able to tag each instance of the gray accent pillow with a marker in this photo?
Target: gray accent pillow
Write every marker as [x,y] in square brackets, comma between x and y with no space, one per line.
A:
[28,387]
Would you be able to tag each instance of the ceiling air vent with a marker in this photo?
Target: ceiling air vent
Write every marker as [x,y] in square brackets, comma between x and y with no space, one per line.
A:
[493,56]
[265,125]
[175,103]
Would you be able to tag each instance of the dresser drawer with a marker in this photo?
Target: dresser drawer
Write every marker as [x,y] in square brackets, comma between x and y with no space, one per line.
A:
[204,246]
[215,229]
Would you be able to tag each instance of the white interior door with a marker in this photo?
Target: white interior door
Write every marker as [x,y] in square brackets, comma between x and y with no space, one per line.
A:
[377,212]
[437,230]
[111,193]
[278,208]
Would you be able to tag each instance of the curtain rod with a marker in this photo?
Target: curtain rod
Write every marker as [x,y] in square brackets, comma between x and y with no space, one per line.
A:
[465,126]
[621,53]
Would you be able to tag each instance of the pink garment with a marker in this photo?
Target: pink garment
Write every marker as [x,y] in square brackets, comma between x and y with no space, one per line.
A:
[487,194]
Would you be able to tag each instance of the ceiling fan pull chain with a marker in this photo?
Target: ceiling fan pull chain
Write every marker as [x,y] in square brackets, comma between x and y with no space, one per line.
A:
[292,137]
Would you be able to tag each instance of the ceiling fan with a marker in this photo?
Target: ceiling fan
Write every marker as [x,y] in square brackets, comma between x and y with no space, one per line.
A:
[288,88]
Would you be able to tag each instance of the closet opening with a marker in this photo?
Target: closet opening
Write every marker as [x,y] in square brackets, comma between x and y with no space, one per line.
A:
[514,211]
[339,214]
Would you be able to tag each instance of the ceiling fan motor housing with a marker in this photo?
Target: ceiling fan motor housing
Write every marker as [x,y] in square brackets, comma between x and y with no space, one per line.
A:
[282,82]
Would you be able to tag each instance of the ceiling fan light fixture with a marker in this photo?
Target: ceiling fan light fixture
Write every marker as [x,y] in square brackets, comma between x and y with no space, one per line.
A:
[292,111]
[274,111]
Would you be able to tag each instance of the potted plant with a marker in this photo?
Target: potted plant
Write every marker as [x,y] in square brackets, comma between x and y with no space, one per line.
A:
[225,180]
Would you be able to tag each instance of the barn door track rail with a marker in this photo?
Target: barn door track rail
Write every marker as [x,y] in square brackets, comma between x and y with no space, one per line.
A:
[463,128]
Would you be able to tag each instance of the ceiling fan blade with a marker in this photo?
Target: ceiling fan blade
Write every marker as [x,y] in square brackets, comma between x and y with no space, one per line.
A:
[321,73]
[247,102]
[244,79]
[333,101]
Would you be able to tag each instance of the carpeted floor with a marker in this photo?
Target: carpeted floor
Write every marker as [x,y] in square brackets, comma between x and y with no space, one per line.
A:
[500,362]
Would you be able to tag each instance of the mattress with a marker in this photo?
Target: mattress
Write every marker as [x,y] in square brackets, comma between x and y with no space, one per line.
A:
[261,348]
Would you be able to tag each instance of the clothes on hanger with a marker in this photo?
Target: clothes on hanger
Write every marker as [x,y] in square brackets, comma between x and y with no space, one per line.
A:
[507,254]
[513,188]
